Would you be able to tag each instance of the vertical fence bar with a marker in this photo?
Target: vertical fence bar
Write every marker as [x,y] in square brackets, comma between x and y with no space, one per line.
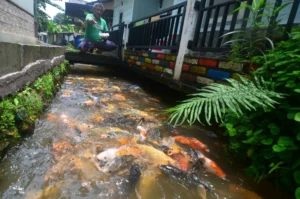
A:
[171,31]
[176,26]
[234,18]
[246,15]
[213,27]
[198,24]
[208,13]
[181,26]
[291,19]
[223,23]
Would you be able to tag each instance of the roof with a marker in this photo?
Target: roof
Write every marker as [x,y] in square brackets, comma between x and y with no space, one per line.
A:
[79,10]
[99,1]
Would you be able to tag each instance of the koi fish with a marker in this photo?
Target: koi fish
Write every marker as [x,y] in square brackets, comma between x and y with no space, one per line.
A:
[197,145]
[128,151]
[211,166]
[192,142]
[107,155]
[143,132]
[182,140]
[123,141]
[181,159]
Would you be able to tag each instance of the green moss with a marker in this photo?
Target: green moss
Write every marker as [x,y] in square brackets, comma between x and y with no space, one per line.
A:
[19,112]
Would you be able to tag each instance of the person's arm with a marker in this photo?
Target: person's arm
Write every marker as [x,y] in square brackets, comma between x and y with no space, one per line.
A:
[90,19]
[105,29]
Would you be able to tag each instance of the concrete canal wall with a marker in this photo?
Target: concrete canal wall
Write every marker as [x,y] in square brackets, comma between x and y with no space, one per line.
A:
[22,64]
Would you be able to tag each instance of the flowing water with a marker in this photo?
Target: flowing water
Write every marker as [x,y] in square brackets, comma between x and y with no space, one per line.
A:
[99,110]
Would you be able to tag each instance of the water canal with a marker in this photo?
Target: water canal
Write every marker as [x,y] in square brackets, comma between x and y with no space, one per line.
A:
[90,143]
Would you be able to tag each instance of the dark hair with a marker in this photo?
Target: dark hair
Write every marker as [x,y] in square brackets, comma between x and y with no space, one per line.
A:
[98,5]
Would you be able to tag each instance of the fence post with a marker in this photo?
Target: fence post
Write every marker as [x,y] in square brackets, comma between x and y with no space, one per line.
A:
[126,36]
[187,34]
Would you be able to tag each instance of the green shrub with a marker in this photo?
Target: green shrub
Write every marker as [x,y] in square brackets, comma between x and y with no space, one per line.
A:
[20,111]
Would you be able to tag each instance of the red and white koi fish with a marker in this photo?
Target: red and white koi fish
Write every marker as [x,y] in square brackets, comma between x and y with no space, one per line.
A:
[211,166]
[192,142]
[143,132]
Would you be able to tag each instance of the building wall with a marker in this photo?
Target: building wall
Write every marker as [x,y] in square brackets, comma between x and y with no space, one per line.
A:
[126,9]
[144,8]
[16,25]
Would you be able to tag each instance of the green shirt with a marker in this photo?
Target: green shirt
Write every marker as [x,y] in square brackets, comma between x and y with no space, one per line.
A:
[92,30]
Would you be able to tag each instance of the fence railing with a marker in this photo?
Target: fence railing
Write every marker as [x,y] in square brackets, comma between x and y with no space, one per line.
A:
[161,30]
[215,20]
[116,36]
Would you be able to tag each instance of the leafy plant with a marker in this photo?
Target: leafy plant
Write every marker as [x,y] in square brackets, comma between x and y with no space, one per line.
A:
[215,99]
[68,27]
[18,112]
[271,139]
[246,44]
[42,16]
[53,28]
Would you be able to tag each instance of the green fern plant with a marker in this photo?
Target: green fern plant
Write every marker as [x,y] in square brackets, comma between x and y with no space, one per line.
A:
[215,99]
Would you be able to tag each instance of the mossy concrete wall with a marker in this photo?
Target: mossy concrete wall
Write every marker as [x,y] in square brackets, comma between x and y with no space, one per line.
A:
[23,64]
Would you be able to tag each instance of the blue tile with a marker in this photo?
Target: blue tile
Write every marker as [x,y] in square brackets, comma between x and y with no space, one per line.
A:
[141,59]
[218,74]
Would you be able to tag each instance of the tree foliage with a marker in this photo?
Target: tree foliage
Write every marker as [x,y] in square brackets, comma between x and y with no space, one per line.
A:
[42,16]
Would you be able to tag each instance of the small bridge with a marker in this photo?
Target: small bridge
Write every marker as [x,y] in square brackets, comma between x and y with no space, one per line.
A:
[106,58]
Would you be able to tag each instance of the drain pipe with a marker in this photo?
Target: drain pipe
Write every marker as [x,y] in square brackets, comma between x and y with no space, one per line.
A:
[188,31]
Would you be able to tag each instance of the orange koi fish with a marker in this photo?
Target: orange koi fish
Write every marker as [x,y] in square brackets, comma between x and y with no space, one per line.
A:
[211,166]
[128,151]
[192,142]
[123,141]
[197,145]
[182,140]
[181,159]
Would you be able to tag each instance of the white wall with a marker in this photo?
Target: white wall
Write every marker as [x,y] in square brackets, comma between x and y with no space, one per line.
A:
[27,5]
[126,8]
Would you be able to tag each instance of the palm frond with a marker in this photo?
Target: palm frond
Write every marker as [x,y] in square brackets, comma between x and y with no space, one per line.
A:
[213,100]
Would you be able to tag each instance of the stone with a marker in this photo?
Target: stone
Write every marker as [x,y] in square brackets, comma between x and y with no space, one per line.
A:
[203,80]
[168,71]
[155,61]
[191,61]
[231,66]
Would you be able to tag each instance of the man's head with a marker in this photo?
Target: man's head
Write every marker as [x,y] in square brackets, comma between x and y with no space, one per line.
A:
[98,10]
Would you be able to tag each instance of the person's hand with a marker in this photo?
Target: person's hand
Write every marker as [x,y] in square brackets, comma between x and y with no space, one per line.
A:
[104,35]
[92,21]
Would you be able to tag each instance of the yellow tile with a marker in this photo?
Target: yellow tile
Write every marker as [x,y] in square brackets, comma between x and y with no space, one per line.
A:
[158,68]
[148,60]
[170,57]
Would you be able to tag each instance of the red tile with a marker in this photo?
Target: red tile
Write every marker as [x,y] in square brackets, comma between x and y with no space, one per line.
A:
[248,69]
[208,62]
[188,77]
[161,56]
[150,67]
[172,64]
[185,67]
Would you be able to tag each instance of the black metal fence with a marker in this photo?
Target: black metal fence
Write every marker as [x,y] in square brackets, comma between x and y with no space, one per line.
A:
[215,20]
[116,36]
[161,30]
